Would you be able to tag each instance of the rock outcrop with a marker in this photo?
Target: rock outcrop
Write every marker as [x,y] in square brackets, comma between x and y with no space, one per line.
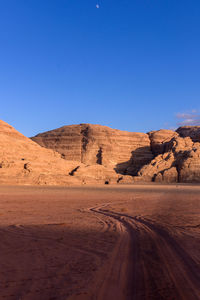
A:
[189,166]
[90,144]
[190,131]
[94,154]
[160,139]
[157,166]
[180,163]
[22,161]
[160,156]
[89,174]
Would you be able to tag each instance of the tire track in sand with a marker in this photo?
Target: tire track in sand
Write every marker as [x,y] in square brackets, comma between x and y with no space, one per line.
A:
[148,263]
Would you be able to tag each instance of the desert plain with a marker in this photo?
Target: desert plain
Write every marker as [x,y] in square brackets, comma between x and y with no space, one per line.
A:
[100,242]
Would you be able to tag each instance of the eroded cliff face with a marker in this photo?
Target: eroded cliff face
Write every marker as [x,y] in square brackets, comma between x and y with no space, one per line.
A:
[160,156]
[24,162]
[180,163]
[94,154]
[159,140]
[124,151]
[190,131]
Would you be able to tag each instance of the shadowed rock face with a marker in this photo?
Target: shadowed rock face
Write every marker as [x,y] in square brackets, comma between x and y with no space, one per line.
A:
[159,140]
[180,163]
[90,144]
[190,131]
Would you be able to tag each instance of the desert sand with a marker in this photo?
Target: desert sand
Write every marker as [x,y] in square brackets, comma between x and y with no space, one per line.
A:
[112,242]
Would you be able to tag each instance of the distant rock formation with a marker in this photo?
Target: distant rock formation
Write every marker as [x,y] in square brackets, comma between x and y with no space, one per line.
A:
[160,156]
[94,154]
[124,151]
[24,162]
[180,163]
[190,131]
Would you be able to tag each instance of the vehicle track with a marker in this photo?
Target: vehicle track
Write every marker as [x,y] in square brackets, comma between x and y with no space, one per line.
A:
[148,263]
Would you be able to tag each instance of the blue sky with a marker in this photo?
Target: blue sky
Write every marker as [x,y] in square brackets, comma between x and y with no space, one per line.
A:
[131,64]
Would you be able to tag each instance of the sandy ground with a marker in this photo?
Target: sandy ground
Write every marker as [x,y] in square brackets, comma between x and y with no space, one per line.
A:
[128,242]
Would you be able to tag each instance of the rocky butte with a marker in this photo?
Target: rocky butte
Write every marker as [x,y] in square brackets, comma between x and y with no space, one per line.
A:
[161,156]
[126,152]
[91,154]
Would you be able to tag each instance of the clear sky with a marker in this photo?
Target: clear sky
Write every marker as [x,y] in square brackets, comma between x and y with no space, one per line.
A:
[130,64]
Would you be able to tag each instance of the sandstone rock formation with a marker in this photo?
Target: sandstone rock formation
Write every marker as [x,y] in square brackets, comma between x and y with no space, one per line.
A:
[190,131]
[157,166]
[159,140]
[22,161]
[189,168]
[90,144]
[160,156]
[91,154]
[181,163]
[168,176]
[96,173]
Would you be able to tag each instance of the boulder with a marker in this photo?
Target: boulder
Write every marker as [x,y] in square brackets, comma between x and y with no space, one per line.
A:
[168,176]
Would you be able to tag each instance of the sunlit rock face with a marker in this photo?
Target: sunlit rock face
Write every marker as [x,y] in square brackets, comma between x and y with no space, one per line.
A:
[22,161]
[160,156]
[124,151]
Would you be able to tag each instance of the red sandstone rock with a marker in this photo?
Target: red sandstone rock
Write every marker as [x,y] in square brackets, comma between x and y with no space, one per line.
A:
[169,176]
[159,139]
[180,164]
[190,131]
[158,165]
[22,161]
[189,168]
[96,154]
[96,174]
[90,144]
